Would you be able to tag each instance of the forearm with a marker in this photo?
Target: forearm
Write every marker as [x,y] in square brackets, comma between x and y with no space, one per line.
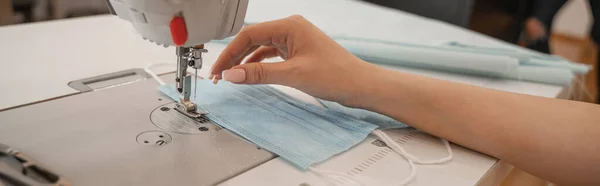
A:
[555,139]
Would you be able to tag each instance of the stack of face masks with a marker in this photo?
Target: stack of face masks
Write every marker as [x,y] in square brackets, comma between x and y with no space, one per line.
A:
[465,59]
[301,133]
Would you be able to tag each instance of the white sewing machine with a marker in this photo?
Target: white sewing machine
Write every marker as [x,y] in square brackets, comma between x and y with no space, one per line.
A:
[120,130]
[186,24]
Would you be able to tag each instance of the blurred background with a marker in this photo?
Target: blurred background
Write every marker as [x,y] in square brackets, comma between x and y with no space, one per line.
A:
[24,11]
[561,27]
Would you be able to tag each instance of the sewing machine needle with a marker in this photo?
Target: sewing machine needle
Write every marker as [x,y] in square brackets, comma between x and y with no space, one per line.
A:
[195,84]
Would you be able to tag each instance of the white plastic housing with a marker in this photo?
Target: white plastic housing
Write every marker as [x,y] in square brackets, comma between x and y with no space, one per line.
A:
[205,20]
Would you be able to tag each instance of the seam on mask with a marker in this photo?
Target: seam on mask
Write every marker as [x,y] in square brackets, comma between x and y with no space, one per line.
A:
[346,145]
[343,140]
[354,131]
[385,120]
[296,119]
[320,111]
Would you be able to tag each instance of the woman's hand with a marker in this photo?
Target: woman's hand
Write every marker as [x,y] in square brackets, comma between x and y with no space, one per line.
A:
[314,63]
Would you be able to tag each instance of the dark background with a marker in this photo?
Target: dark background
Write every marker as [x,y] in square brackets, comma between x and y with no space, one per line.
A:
[507,16]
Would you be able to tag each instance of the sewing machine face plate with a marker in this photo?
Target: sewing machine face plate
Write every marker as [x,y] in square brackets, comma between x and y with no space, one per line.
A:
[113,137]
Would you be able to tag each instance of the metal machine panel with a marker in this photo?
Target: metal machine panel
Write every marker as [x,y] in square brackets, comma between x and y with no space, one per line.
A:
[107,137]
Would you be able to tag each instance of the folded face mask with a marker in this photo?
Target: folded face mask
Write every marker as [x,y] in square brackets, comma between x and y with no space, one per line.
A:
[300,133]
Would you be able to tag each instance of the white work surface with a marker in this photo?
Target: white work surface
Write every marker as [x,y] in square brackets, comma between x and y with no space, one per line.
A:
[38,60]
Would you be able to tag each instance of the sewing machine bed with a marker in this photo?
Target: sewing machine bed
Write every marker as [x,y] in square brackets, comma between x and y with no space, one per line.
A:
[113,137]
[131,135]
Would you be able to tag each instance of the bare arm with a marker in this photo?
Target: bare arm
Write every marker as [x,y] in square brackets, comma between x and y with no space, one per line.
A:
[558,140]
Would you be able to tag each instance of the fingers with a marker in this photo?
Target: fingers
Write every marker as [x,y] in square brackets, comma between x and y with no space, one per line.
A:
[259,55]
[260,73]
[264,53]
[248,52]
[272,33]
[233,63]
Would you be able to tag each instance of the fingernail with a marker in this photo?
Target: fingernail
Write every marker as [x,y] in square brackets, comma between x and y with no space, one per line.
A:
[215,80]
[235,75]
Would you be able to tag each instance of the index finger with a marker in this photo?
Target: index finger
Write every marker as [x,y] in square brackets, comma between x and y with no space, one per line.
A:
[271,33]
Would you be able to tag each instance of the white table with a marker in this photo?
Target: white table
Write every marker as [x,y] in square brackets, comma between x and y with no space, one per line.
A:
[38,60]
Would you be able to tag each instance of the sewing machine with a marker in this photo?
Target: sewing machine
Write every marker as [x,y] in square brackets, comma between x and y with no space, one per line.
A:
[186,24]
[120,130]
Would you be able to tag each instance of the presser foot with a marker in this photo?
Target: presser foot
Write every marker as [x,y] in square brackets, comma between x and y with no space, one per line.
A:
[185,105]
[189,109]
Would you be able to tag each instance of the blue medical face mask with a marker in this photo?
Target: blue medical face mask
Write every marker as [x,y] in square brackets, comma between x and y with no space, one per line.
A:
[383,122]
[300,133]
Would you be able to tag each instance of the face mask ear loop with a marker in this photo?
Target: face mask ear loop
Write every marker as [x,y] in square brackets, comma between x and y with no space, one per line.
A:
[398,149]
[149,68]
[325,174]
